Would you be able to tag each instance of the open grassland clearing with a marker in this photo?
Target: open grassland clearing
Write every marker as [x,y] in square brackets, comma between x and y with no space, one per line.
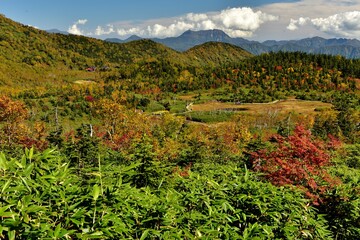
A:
[282,106]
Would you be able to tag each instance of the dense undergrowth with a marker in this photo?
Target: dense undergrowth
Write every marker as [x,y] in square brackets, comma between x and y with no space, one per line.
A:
[43,197]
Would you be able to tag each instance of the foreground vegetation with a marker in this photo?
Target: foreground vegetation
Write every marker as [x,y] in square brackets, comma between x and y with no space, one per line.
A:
[44,197]
[132,175]
[107,205]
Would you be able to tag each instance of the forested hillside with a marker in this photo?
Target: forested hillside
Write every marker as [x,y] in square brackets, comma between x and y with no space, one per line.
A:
[138,141]
[31,57]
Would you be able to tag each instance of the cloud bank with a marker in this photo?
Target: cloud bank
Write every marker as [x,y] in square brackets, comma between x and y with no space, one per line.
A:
[104,31]
[345,24]
[278,21]
[74,29]
[237,22]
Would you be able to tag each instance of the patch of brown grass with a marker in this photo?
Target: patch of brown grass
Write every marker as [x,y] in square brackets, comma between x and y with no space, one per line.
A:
[286,106]
[187,97]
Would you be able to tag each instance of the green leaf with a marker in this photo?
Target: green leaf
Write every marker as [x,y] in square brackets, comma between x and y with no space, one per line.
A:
[76,222]
[246,177]
[209,207]
[57,230]
[145,234]
[79,214]
[29,153]
[72,207]
[11,235]
[35,209]
[25,183]
[5,214]
[29,169]
[20,165]
[96,192]
[6,185]
[98,233]
[3,162]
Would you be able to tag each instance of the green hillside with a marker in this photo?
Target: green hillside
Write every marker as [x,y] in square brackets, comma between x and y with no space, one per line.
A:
[31,57]
[212,53]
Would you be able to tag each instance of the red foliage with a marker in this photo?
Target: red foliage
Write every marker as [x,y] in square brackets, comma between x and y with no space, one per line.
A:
[299,160]
[334,143]
[183,172]
[278,68]
[89,98]
[69,136]
[30,142]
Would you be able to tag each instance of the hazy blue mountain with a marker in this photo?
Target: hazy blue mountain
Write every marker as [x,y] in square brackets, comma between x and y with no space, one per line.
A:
[114,40]
[190,39]
[349,48]
[57,31]
[130,39]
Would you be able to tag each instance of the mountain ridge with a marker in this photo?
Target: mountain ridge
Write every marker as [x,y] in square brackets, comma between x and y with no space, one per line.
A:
[57,31]
[349,48]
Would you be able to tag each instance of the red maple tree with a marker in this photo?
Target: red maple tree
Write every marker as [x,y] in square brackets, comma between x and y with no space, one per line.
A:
[298,160]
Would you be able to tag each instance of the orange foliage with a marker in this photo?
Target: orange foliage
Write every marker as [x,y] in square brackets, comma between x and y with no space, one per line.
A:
[12,114]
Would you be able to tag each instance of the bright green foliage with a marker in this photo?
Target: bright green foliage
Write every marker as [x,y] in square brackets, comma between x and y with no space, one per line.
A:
[42,198]
[342,204]
[230,203]
[341,208]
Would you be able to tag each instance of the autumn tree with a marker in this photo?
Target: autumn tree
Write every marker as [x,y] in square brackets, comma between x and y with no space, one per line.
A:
[111,113]
[12,121]
[297,160]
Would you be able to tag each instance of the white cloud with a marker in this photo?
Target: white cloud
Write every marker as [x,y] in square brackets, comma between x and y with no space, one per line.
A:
[237,22]
[33,26]
[196,17]
[74,29]
[103,31]
[130,31]
[281,20]
[244,19]
[82,21]
[295,24]
[345,24]
[297,15]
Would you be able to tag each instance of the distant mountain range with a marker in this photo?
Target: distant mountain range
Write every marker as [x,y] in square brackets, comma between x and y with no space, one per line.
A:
[349,48]
[57,31]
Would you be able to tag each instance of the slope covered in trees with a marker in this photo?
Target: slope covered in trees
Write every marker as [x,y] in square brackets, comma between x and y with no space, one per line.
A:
[33,57]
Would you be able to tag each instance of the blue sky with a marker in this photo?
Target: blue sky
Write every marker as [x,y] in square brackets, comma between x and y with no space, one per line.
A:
[252,19]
